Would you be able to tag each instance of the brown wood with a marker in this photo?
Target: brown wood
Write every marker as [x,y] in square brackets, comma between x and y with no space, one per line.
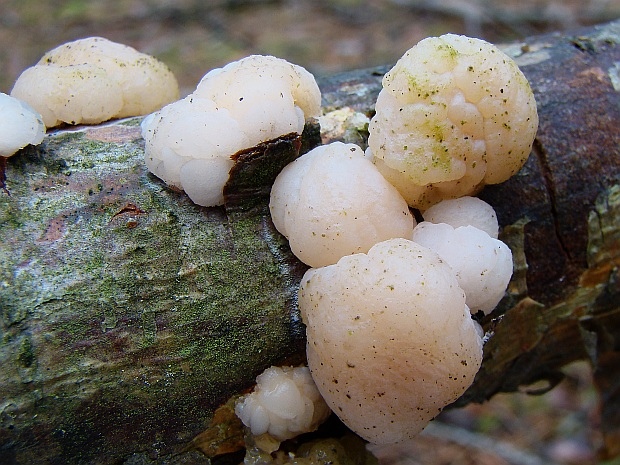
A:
[128,314]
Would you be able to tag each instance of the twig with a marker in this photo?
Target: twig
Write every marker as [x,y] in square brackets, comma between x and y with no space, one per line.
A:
[467,438]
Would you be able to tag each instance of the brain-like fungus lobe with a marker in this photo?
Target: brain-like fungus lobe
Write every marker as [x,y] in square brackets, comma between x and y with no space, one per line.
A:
[189,143]
[285,403]
[333,202]
[455,113]
[390,338]
[464,233]
[93,80]
[482,264]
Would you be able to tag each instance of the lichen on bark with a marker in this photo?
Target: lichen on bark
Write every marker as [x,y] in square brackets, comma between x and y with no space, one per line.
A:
[111,312]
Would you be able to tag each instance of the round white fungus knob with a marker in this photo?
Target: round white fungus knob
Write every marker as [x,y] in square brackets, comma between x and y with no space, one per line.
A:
[20,125]
[483,265]
[390,339]
[284,404]
[93,80]
[464,211]
[455,113]
[333,202]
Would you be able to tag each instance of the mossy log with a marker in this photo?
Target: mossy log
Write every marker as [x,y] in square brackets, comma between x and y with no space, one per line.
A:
[129,314]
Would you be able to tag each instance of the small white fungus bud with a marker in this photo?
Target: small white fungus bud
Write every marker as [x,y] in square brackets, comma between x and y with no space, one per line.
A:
[189,143]
[333,202]
[455,113]
[483,265]
[465,211]
[284,404]
[20,125]
[93,80]
[390,339]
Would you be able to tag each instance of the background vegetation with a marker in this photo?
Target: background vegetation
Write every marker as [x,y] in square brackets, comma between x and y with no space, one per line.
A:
[193,36]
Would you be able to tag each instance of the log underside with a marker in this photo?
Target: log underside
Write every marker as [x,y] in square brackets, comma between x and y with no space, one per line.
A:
[129,314]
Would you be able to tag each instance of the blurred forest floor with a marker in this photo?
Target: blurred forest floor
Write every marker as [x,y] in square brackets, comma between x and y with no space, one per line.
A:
[194,36]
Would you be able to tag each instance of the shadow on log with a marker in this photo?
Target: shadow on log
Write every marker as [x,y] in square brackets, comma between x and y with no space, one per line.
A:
[129,314]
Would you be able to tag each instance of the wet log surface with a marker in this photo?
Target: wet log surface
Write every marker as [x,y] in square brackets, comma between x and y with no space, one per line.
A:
[128,314]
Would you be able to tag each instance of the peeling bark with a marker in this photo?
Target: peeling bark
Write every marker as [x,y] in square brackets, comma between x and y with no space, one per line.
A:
[128,314]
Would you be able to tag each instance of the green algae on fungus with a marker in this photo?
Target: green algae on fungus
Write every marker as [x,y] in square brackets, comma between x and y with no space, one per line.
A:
[454,114]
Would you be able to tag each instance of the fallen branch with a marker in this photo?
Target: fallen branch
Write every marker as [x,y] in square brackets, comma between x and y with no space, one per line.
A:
[128,314]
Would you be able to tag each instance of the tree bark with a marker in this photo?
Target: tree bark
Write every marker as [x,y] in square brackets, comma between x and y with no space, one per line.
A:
[129,314]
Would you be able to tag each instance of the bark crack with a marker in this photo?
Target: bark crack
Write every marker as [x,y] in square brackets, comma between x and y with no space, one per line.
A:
[541,154]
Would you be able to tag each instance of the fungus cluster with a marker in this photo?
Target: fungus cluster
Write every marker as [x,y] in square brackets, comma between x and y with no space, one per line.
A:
[390,337]
[284,404]
[387,306]
[455,113]
[189,143]
[93,80]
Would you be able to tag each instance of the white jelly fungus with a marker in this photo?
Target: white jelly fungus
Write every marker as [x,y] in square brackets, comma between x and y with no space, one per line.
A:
[390,338]
[93,80]
[333,201]
[284,404]
[464,211]
[483,265]
[189,143]
[20,125]
[455,113]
